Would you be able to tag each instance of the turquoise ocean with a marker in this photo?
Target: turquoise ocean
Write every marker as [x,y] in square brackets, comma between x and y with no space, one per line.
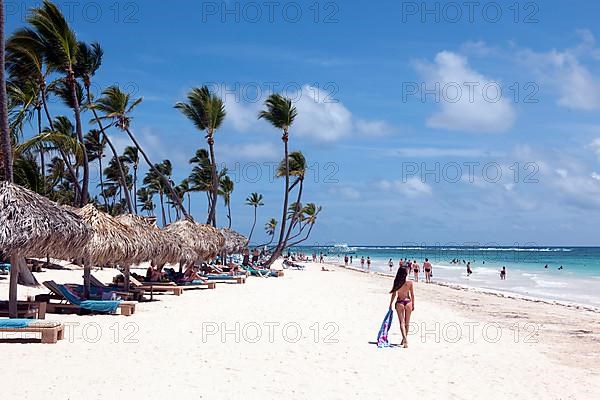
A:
[578,282]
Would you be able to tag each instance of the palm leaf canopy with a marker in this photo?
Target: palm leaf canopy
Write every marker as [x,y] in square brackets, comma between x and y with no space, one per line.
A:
[59,40]
[33,226]
[204,108]
[280,111]
[113,242]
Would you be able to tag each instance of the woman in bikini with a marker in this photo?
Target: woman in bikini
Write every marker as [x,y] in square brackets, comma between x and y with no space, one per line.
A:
[404,297]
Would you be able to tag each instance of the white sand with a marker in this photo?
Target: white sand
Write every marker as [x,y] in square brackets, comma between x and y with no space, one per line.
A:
[166,354]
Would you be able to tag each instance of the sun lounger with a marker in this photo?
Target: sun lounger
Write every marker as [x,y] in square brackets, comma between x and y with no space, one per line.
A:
[50,331]
[157,287]
[25,309]
[237,279]
[130,294]
[69,301]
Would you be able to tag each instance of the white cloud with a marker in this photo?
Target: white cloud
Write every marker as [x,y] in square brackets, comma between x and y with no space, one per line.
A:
[249,151]
[595,147]
[373,128]
[411,187]
[577,86]
[320,118]
[438,152]
[469,101]
[346,192]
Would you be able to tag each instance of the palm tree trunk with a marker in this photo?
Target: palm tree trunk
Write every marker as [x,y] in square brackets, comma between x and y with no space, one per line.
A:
[135,189]
[296,213]
[305,237]
[158,173]
[212,216]
[79,131]
[253,225]
[102,182]
[229,213]
[7,156]
[189,202]
[42,155]
[162,207]
[115,154]
[7,160]
[62,153]
[279,249]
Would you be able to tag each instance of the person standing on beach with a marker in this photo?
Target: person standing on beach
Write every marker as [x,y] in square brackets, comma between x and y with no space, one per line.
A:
[469,271]
[428,269]
[416,270]
[503,273]
[350,259]
[362,262]
[321,259]
[346,261]
[368,263]
[391,264]
[401,263]
[403,293]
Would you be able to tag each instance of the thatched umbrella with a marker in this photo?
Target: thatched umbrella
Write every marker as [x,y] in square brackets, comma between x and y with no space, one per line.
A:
[235,242]
[214,239]
[33,226]
[203,240]
[167,247]
[112,242]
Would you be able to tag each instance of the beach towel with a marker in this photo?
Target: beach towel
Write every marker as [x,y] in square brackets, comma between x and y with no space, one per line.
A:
[104,306]
[382,337]
[15,323]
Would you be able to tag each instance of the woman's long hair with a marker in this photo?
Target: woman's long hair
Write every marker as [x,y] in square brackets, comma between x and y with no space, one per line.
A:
[400,279]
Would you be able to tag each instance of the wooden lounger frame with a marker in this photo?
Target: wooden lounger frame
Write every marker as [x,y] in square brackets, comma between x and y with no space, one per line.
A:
[126,308]
[49,334]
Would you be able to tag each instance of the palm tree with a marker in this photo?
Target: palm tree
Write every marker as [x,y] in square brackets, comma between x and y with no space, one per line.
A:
[60,53]
[184,188]
[270,229]
[95,143]
[113,185]
[131,156]
[206,110]
[144,197]
[89,60]
[200,179]
[281,113]
[27,66]
[226,189]
[297,168]
[308,217]
[116,106]
[255,200]
[156,184]
[6,153]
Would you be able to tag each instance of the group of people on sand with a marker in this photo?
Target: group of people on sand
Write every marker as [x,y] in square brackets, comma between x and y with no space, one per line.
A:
[414,267]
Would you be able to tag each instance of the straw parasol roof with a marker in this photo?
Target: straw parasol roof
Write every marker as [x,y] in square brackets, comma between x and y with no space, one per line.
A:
[113,242]
[167,247]
[202,240]
[234,242]
[214,239]
[33,226]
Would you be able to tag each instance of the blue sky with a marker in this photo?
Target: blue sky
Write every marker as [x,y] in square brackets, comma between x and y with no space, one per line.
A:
[357,71]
